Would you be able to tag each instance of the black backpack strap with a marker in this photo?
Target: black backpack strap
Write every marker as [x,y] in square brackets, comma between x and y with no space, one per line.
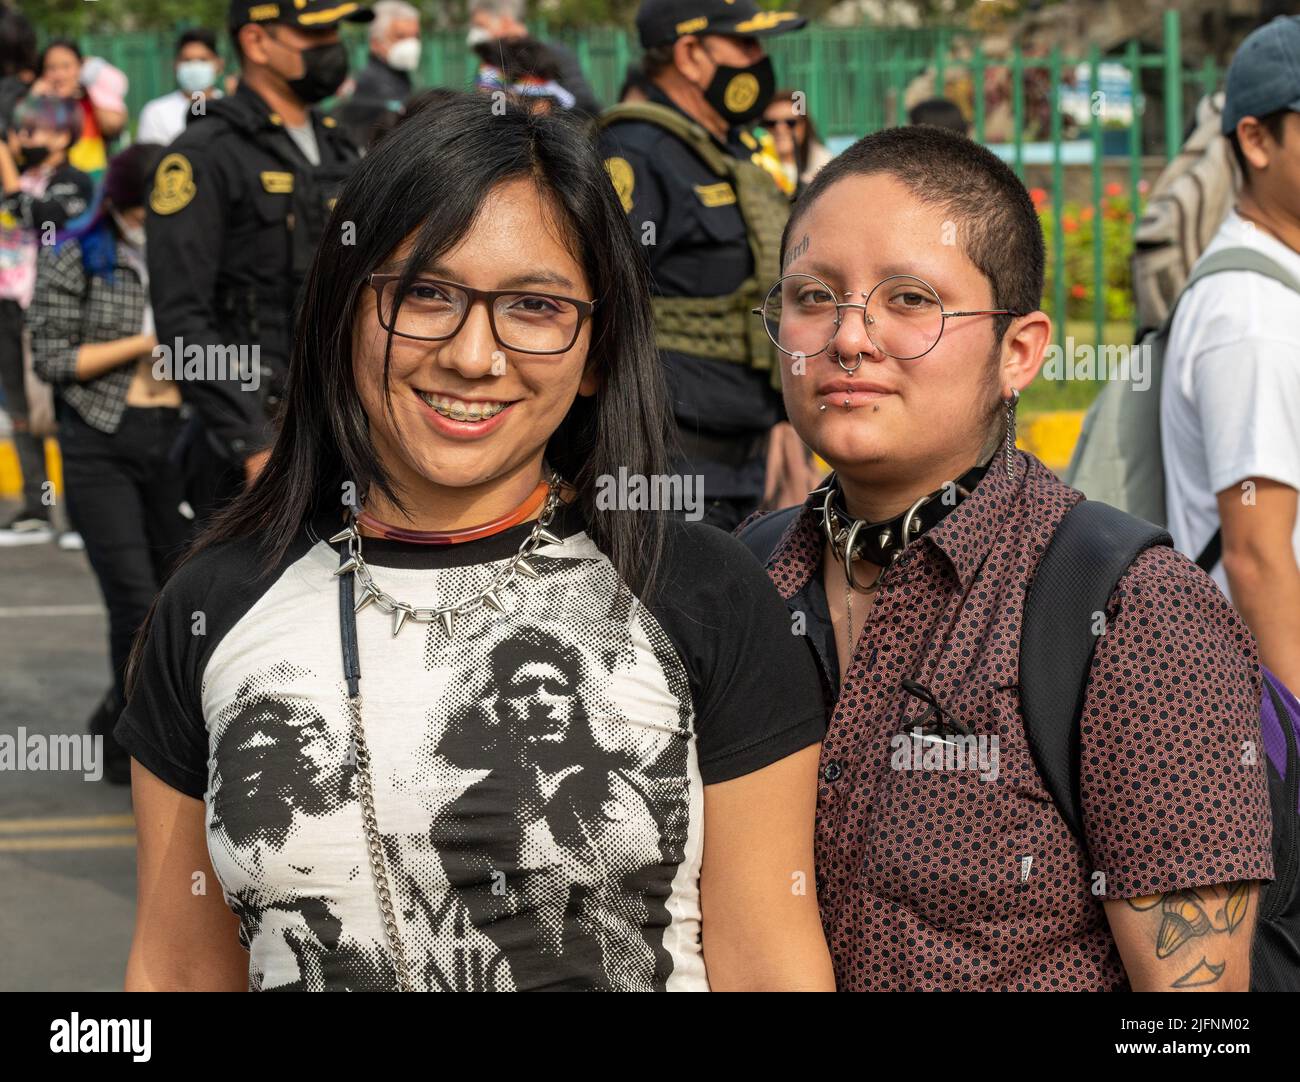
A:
[763,534]
[1212,553]
[1092,547]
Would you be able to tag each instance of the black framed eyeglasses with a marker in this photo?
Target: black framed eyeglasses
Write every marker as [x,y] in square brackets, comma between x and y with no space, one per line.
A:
[522,320]
[903,314]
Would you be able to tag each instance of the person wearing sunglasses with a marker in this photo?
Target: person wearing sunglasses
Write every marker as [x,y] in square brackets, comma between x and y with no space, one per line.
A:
[908,332]
[794,138]
[560,740]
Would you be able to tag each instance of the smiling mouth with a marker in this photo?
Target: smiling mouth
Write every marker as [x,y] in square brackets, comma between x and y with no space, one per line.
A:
[457,409]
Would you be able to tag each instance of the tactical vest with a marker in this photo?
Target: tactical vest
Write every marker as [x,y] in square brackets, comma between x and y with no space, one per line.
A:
[722,328]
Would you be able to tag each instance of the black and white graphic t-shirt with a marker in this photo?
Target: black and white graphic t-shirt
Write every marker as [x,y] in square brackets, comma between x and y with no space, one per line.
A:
[538,778]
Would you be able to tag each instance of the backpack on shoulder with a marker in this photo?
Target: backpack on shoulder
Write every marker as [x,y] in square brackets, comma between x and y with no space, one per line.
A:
[1092,547]
[1187,204]
[1118,459]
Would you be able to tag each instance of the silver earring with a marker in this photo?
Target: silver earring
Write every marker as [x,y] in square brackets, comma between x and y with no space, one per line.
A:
[1009,438]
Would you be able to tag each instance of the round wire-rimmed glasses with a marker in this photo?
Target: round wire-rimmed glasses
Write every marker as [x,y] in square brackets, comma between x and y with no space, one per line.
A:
[522,320]
[903,314]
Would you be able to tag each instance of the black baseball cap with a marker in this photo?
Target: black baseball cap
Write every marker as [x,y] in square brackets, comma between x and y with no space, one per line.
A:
[308,14]
[661,22]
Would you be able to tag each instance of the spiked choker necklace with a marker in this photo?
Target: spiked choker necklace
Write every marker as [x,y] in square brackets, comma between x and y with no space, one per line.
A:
[881,543]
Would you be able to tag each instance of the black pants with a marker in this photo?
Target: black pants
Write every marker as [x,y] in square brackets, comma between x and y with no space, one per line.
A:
[123,496]
[31,449]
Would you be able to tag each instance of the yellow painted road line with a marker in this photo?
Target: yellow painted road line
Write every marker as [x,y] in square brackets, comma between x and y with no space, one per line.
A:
[86,822]
[70,841]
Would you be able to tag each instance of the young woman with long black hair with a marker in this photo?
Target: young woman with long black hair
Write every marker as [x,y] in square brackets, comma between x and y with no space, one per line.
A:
[441,714]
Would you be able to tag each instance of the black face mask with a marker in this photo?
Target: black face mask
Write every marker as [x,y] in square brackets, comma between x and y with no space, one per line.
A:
[31,157]
[324,69]
[741,94]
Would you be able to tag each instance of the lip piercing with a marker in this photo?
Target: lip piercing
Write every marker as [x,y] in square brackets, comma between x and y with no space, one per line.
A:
[822,407]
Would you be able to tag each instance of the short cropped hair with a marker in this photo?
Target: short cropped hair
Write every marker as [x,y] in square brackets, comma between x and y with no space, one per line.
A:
[997,225]
[199,35]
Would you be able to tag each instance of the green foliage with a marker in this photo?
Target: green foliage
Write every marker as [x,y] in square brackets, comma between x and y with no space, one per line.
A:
[59,18]
[1079,223]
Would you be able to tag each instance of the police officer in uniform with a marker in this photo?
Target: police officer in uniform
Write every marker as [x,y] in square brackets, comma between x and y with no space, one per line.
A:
[709,217]
[238,206]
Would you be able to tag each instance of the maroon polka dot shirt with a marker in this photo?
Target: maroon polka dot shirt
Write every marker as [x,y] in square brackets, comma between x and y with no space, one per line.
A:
[939,879]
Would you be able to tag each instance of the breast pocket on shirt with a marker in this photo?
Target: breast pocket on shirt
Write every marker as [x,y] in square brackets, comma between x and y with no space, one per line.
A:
[963,832]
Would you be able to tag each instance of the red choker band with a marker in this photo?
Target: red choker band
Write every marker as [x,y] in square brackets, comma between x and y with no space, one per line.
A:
[526,510]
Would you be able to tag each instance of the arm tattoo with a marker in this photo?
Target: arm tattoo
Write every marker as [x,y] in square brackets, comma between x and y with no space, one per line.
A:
[1191,914]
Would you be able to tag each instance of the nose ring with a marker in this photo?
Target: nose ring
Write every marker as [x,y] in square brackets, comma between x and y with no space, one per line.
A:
[840,361]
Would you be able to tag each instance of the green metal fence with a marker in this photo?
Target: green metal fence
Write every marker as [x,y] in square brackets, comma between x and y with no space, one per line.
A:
[856,80]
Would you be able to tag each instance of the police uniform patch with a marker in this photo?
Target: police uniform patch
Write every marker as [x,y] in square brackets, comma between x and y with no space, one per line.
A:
[721,194]
[173,185]
[741,92]
[624,180]
[277,183]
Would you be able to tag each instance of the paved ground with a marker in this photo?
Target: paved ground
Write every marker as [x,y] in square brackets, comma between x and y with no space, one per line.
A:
[67,858]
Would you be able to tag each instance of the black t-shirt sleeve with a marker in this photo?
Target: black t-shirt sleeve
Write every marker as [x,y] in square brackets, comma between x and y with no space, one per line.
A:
[162,726]
[757,694]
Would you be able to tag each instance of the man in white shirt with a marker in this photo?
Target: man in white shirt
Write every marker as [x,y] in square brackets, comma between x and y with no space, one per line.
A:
[1230,400]
[198,71]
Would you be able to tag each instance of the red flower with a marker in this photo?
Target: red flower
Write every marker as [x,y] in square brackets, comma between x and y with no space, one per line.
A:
[1039,196]
[1114,188]
[1077,290]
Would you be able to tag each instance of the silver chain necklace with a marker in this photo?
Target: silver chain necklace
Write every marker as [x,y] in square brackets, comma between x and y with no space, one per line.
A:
[490,598]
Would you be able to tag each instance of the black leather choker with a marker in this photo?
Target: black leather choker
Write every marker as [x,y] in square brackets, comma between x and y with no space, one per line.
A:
[881,543]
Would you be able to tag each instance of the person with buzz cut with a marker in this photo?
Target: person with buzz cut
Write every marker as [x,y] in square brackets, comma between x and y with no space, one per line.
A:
[699,197]
[239,205]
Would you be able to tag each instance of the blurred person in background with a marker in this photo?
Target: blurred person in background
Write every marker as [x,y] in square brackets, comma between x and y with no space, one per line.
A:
[939,113]
[503,20]
[42,193]
[98,87]
[384,85]
[798,147]
[18,59]
[1230,392]
[198,69]
[700,197]
[92,337]
[526,68]
[261,170]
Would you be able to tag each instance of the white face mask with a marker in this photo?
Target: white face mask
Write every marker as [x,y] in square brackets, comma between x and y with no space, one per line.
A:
[132,234]
[195,76]
[404,55]
[477,36]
